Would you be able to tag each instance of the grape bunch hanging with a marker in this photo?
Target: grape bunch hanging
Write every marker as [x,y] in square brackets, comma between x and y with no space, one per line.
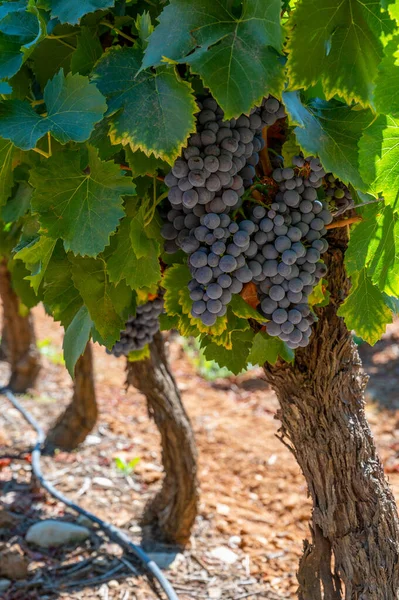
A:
[139,329]
[277,245]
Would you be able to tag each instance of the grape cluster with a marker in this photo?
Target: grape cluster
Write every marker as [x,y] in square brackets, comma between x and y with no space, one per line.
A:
[140,329]
[291,239]
[206,183]
[338,193]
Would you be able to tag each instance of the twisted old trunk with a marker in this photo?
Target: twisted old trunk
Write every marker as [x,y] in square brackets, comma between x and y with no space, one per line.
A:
[80,416]
[354,552]
[21,351]
[169,517]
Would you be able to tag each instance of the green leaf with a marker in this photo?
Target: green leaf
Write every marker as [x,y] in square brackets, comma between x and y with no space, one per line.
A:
[18,204]
[235,359]
[365,310]
[59,293]
[387,83]
[268,349]
[22,288]
[337,42]
[154,111]
[379,158]
[237,58]
[124,264]
[5,88]
[76,338]
[36,256]
[108,304]
[174,279]
[331,131]
[374,245]
[81,205]
[141,164]
[137,355]
[52,55]
[6,176]
[73,10]
[243,310]
[101,140]
[87,52]
[74,106]
[21,29]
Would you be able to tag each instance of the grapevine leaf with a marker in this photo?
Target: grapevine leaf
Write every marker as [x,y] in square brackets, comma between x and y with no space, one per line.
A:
[268,349]
[365,310]
[22,288]
[379,158]
[21,29]
[83,207]
[50,56]
[320,295]
[101,140]
[331,131]
[154,112]
[387,82]
[59,293]
[74,106]
[167,322]
[141,164]
[6,176]
[124,264]
[137,355]
[337,29]
[76,338]
[73,10]
[18,204]
[174,279]
[237,58]
[36,256]
[374,244]
[108,304]
[5,88]
[241,309]
[87,52]
[235,359]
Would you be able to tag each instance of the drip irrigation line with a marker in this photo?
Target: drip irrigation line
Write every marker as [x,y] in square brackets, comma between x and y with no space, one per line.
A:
[112,532]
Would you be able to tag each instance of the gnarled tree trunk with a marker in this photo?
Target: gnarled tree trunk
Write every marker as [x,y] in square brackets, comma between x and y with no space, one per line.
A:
[22,354]
[169,517]
[354,553]
[80,416]
[3,344]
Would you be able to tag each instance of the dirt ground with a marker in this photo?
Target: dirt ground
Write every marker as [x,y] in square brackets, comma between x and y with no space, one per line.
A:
[254,507]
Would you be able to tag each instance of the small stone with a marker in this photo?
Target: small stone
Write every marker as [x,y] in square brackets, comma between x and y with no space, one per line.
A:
[92,440]
[113,583]
[52,533]
[4,585]
[234,541]
[103,482]
[222,509]
[224,554]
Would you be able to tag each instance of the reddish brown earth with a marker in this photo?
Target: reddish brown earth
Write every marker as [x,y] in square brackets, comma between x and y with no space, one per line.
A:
[253,496]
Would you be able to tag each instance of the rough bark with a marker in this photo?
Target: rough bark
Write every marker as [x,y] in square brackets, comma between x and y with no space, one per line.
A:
[169,517]
[80,416]
[3,344]
[354,553]
[22,354]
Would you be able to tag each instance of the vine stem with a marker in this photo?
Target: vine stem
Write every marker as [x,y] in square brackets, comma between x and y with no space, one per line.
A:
[118,31]
[264,155]
[344,222]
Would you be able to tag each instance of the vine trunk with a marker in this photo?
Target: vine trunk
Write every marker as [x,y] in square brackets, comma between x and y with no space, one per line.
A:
[21,350]
[169,517]
[354,552]
[80,416]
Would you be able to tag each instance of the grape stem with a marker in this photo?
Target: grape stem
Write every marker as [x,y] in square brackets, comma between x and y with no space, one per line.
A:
[344,222]
[127,168]
[118,31]
[264,155]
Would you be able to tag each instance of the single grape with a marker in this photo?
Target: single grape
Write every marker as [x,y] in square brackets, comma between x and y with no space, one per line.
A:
[227,263]
[273,329]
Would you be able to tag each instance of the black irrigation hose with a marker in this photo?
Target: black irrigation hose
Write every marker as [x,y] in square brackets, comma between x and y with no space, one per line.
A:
[112,532]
